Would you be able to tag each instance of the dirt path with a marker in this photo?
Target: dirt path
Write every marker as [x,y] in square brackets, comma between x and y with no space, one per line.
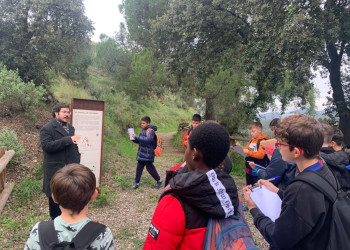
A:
[167,147]
[128,212]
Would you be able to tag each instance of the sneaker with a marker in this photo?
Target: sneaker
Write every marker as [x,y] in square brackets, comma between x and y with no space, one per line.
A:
[136,185]
[159,183]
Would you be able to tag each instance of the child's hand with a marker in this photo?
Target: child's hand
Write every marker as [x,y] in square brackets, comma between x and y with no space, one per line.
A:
[133,136]
[245,150]
[268,185]
[246,194]
[251,164]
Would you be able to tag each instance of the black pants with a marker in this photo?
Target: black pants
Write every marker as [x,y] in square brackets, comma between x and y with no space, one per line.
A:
[54,209]
[250,179]
[150,168]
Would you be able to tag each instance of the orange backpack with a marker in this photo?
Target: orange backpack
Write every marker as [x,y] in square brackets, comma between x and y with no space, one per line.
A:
[157,143]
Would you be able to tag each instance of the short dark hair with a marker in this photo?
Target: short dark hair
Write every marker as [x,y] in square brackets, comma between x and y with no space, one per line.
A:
[196,117]
[73,186]
[255,125]
[327,131]
[301,131]
[57,108]
[338,137]
[212,140]
[146,119]
[274,122]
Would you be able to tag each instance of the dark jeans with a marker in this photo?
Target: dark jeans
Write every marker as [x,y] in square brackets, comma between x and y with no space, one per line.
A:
[54,209]
[250,179]
[150,168]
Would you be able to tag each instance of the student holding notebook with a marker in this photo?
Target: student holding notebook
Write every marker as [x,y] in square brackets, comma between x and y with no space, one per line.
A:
[304,221]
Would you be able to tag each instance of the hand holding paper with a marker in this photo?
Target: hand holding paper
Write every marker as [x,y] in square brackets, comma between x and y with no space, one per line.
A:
[267,201]
[131,133]
[238,149]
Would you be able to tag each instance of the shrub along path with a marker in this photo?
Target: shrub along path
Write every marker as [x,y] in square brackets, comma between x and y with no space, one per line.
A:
[127,212]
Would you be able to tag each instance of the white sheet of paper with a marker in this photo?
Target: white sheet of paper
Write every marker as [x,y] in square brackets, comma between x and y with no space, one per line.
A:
[238,149]
[131,132]
[268,202]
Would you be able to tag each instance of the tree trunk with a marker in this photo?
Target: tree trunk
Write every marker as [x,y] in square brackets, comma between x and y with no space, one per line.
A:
[334,67]
[209,108]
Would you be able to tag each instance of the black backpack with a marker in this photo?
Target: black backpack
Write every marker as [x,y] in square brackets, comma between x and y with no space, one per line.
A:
[339,237]
[48,236]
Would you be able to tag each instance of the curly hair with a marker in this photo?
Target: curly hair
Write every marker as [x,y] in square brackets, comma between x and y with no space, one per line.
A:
[303,132]
[212,140]
[57,108]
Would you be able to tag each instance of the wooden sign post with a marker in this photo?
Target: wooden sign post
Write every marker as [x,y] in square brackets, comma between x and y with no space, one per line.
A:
[88,121]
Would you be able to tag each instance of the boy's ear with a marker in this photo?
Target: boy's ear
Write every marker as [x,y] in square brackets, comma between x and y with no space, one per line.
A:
[197,155]
[53,198]
[297,152]
[332,144]
[93,197]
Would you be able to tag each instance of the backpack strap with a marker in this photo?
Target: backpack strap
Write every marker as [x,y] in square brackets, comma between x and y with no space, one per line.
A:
[147,131]
[47,234]
[88,234]
[258,143]
[319,183]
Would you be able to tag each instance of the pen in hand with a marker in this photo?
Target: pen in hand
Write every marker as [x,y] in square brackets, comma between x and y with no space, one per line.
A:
[273,178]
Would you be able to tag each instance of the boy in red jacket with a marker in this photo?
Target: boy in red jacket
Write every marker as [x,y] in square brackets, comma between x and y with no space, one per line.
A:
[196,120]
[191,197]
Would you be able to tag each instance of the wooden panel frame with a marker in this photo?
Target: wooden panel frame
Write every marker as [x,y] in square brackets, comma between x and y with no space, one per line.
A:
[95,105]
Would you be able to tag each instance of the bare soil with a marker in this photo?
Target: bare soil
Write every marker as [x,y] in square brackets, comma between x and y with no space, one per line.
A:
[128,212]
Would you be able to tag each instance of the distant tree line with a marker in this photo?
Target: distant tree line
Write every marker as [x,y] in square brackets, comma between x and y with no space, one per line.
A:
[235,56]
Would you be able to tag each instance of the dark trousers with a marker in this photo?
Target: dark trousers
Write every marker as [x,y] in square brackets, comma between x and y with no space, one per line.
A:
[250,179]
[54,209]
[150,168]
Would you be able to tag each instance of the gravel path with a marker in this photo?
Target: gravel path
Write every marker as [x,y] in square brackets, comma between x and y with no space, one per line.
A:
[128,212]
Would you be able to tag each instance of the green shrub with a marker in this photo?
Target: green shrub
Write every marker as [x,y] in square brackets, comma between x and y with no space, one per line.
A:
[238,164]
[17,95]
[8,138]
[176,140]
[27,190]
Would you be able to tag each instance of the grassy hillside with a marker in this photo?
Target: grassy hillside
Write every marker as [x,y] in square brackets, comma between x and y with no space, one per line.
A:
[122,112]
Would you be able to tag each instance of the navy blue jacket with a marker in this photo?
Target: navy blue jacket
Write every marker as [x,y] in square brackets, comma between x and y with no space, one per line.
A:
[146,150]
[278,167]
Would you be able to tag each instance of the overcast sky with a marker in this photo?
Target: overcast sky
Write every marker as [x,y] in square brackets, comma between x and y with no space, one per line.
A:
[106,18]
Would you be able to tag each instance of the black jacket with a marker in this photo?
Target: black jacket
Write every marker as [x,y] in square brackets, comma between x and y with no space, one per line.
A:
[59,150]
[305,217]
[337,161]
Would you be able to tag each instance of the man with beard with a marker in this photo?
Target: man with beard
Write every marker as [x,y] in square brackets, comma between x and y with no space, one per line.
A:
[60,148]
